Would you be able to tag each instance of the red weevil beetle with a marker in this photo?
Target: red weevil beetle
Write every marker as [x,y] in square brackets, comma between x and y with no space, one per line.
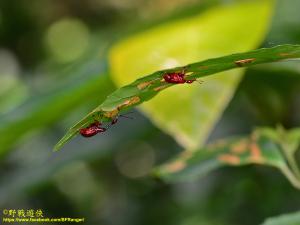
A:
[92,129]
[177,78]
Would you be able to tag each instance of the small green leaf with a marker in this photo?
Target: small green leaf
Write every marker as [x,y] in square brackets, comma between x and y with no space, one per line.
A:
[293,138]
[189,114]
[286,219]
[289,142]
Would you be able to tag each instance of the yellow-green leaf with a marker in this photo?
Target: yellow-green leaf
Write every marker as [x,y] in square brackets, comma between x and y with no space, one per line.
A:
[189,113]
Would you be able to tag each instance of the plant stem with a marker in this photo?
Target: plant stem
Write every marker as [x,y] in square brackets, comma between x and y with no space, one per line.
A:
[291,159]
[294,165]
[290,176]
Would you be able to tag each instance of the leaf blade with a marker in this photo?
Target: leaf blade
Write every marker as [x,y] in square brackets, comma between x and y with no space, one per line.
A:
[115,103]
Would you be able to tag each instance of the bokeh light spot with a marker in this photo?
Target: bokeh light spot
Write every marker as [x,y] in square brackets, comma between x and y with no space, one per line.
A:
[12,90]
[67,39]
[9,70]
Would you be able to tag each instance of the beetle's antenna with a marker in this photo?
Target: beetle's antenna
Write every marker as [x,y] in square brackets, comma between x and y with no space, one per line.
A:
[200,81]
[125,115]
[128,117]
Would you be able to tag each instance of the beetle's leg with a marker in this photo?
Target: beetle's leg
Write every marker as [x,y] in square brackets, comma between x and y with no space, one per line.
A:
[192,81]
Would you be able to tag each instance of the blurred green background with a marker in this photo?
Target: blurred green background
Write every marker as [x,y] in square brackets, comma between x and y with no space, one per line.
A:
[54,69]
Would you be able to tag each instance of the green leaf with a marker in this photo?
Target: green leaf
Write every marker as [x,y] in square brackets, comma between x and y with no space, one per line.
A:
[46,108]
[289,142]
[257,149]
[292,139]
[147,87]
[289,139]
[189,114]
[286,219]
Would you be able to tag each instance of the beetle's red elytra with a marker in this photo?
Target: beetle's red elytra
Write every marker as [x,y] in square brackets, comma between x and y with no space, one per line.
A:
[177,78]
[96,127]
[92,129]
